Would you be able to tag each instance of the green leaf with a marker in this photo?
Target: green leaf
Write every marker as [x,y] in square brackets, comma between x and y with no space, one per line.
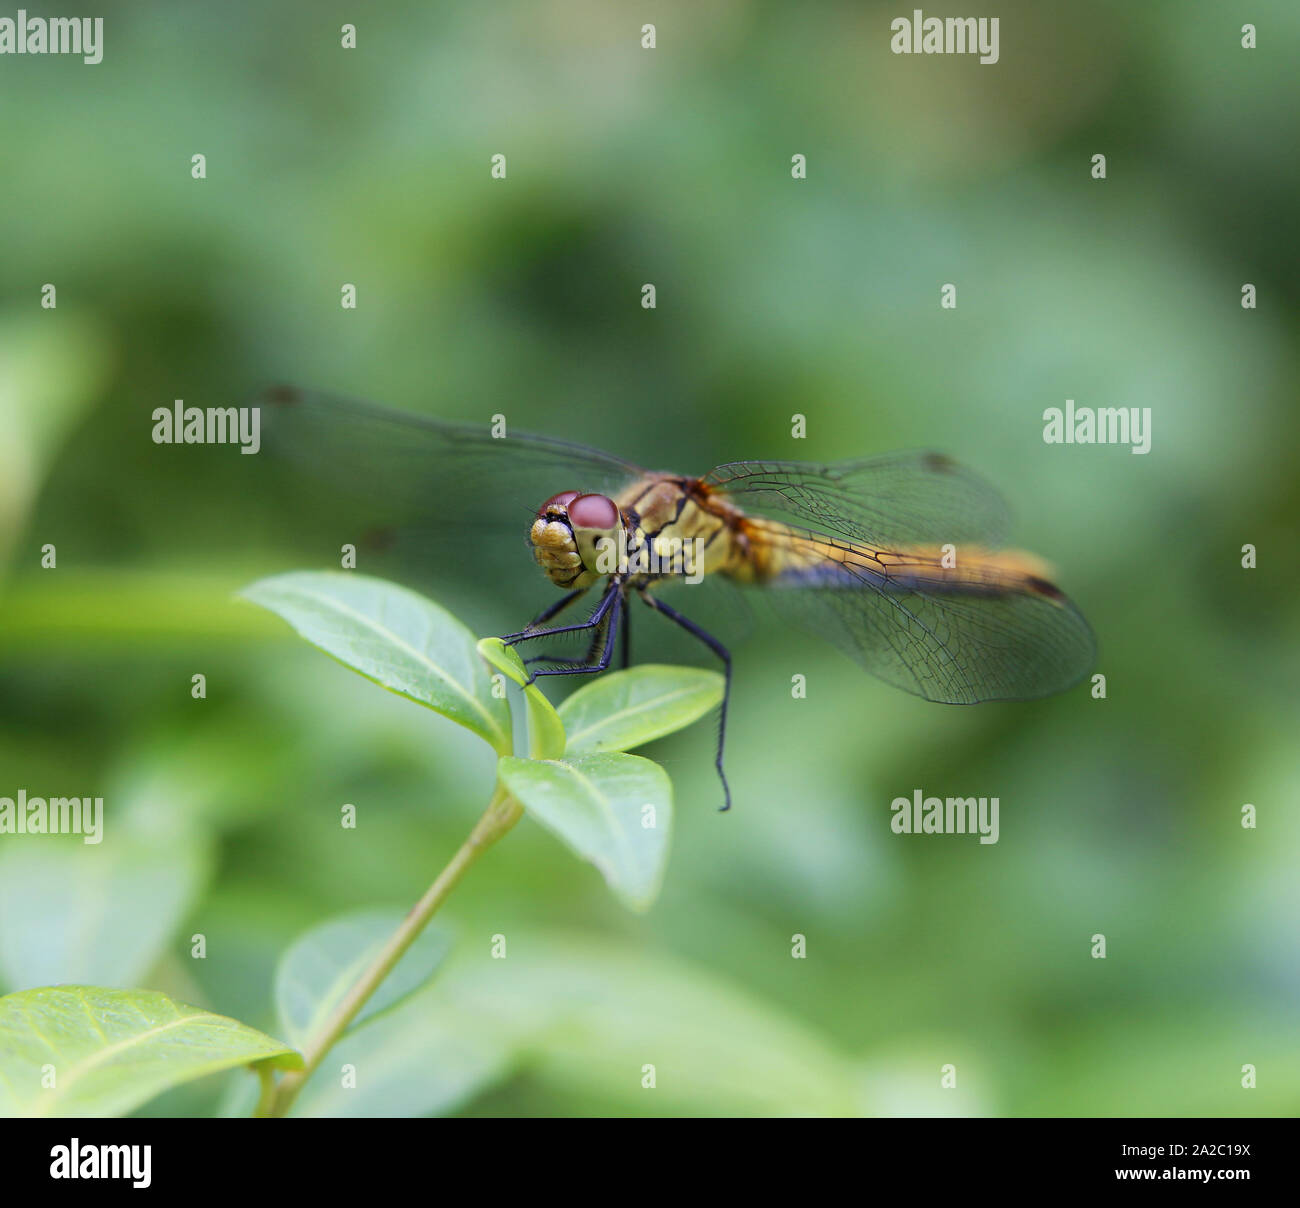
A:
[624,709]
[94,913]
[545,729]
[108,1051]
[318,970]
[394,637]
[613,810]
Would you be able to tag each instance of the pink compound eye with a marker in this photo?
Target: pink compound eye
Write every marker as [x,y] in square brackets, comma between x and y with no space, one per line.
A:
[557,503]
[593,512]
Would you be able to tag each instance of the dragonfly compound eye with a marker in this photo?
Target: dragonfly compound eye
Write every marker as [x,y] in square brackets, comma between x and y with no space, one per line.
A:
[597,528]
[594,512]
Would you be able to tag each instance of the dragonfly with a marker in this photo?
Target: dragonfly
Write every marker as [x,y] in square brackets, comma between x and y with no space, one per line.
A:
[898,559]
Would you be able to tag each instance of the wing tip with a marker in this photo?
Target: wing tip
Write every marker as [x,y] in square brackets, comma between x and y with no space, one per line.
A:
[282,395]
[939,463]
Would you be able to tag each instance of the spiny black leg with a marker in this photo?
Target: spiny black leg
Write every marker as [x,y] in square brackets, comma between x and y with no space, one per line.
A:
[529,635]
[627,638]
[615,611]
[547,613]
[597,642]
[725,655]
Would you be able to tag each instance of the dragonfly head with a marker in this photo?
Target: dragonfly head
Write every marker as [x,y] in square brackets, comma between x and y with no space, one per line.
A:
[570,534]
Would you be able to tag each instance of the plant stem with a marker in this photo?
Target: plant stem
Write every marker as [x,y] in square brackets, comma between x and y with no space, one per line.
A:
[502,813]
[268,1090]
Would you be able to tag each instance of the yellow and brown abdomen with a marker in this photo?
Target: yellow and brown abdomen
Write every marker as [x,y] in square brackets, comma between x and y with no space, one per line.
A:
[959,569]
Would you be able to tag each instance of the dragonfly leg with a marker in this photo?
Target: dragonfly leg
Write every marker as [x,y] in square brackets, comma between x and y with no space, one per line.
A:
[597,644]
[545,615]
[725,655]
[627,638]
[530,634]
[608,630]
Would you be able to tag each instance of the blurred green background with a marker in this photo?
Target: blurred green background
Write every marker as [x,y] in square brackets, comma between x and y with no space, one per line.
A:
[672,166]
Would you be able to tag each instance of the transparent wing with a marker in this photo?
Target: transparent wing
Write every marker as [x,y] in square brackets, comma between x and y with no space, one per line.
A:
[445,507]
[413,468]
[959,646]
[866,574]
[433,502]
[887,502]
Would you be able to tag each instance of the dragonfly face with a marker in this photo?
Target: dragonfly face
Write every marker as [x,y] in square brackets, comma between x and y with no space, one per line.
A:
[567,536]
[899,559]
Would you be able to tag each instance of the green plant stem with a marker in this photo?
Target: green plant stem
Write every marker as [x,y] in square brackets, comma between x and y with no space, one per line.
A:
[268,1090]
[502,813]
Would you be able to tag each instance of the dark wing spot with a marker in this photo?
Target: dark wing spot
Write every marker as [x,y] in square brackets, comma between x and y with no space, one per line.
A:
[1044,588]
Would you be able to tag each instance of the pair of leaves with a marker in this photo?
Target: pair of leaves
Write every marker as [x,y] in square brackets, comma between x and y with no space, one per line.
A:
[613,712]
[612,809]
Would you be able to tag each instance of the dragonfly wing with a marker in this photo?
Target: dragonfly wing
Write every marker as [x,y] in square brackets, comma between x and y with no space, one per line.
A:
[995,630]
[885,502]
[945,645]
[444,507]
[411,468]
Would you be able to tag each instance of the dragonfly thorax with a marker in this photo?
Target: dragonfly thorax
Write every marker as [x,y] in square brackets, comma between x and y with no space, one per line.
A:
[567,536]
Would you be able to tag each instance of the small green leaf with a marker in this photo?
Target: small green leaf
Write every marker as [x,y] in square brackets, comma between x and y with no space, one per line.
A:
[613,810]
[320,967]
[394,637]
[545,729]
[624,709]
[88,1051]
